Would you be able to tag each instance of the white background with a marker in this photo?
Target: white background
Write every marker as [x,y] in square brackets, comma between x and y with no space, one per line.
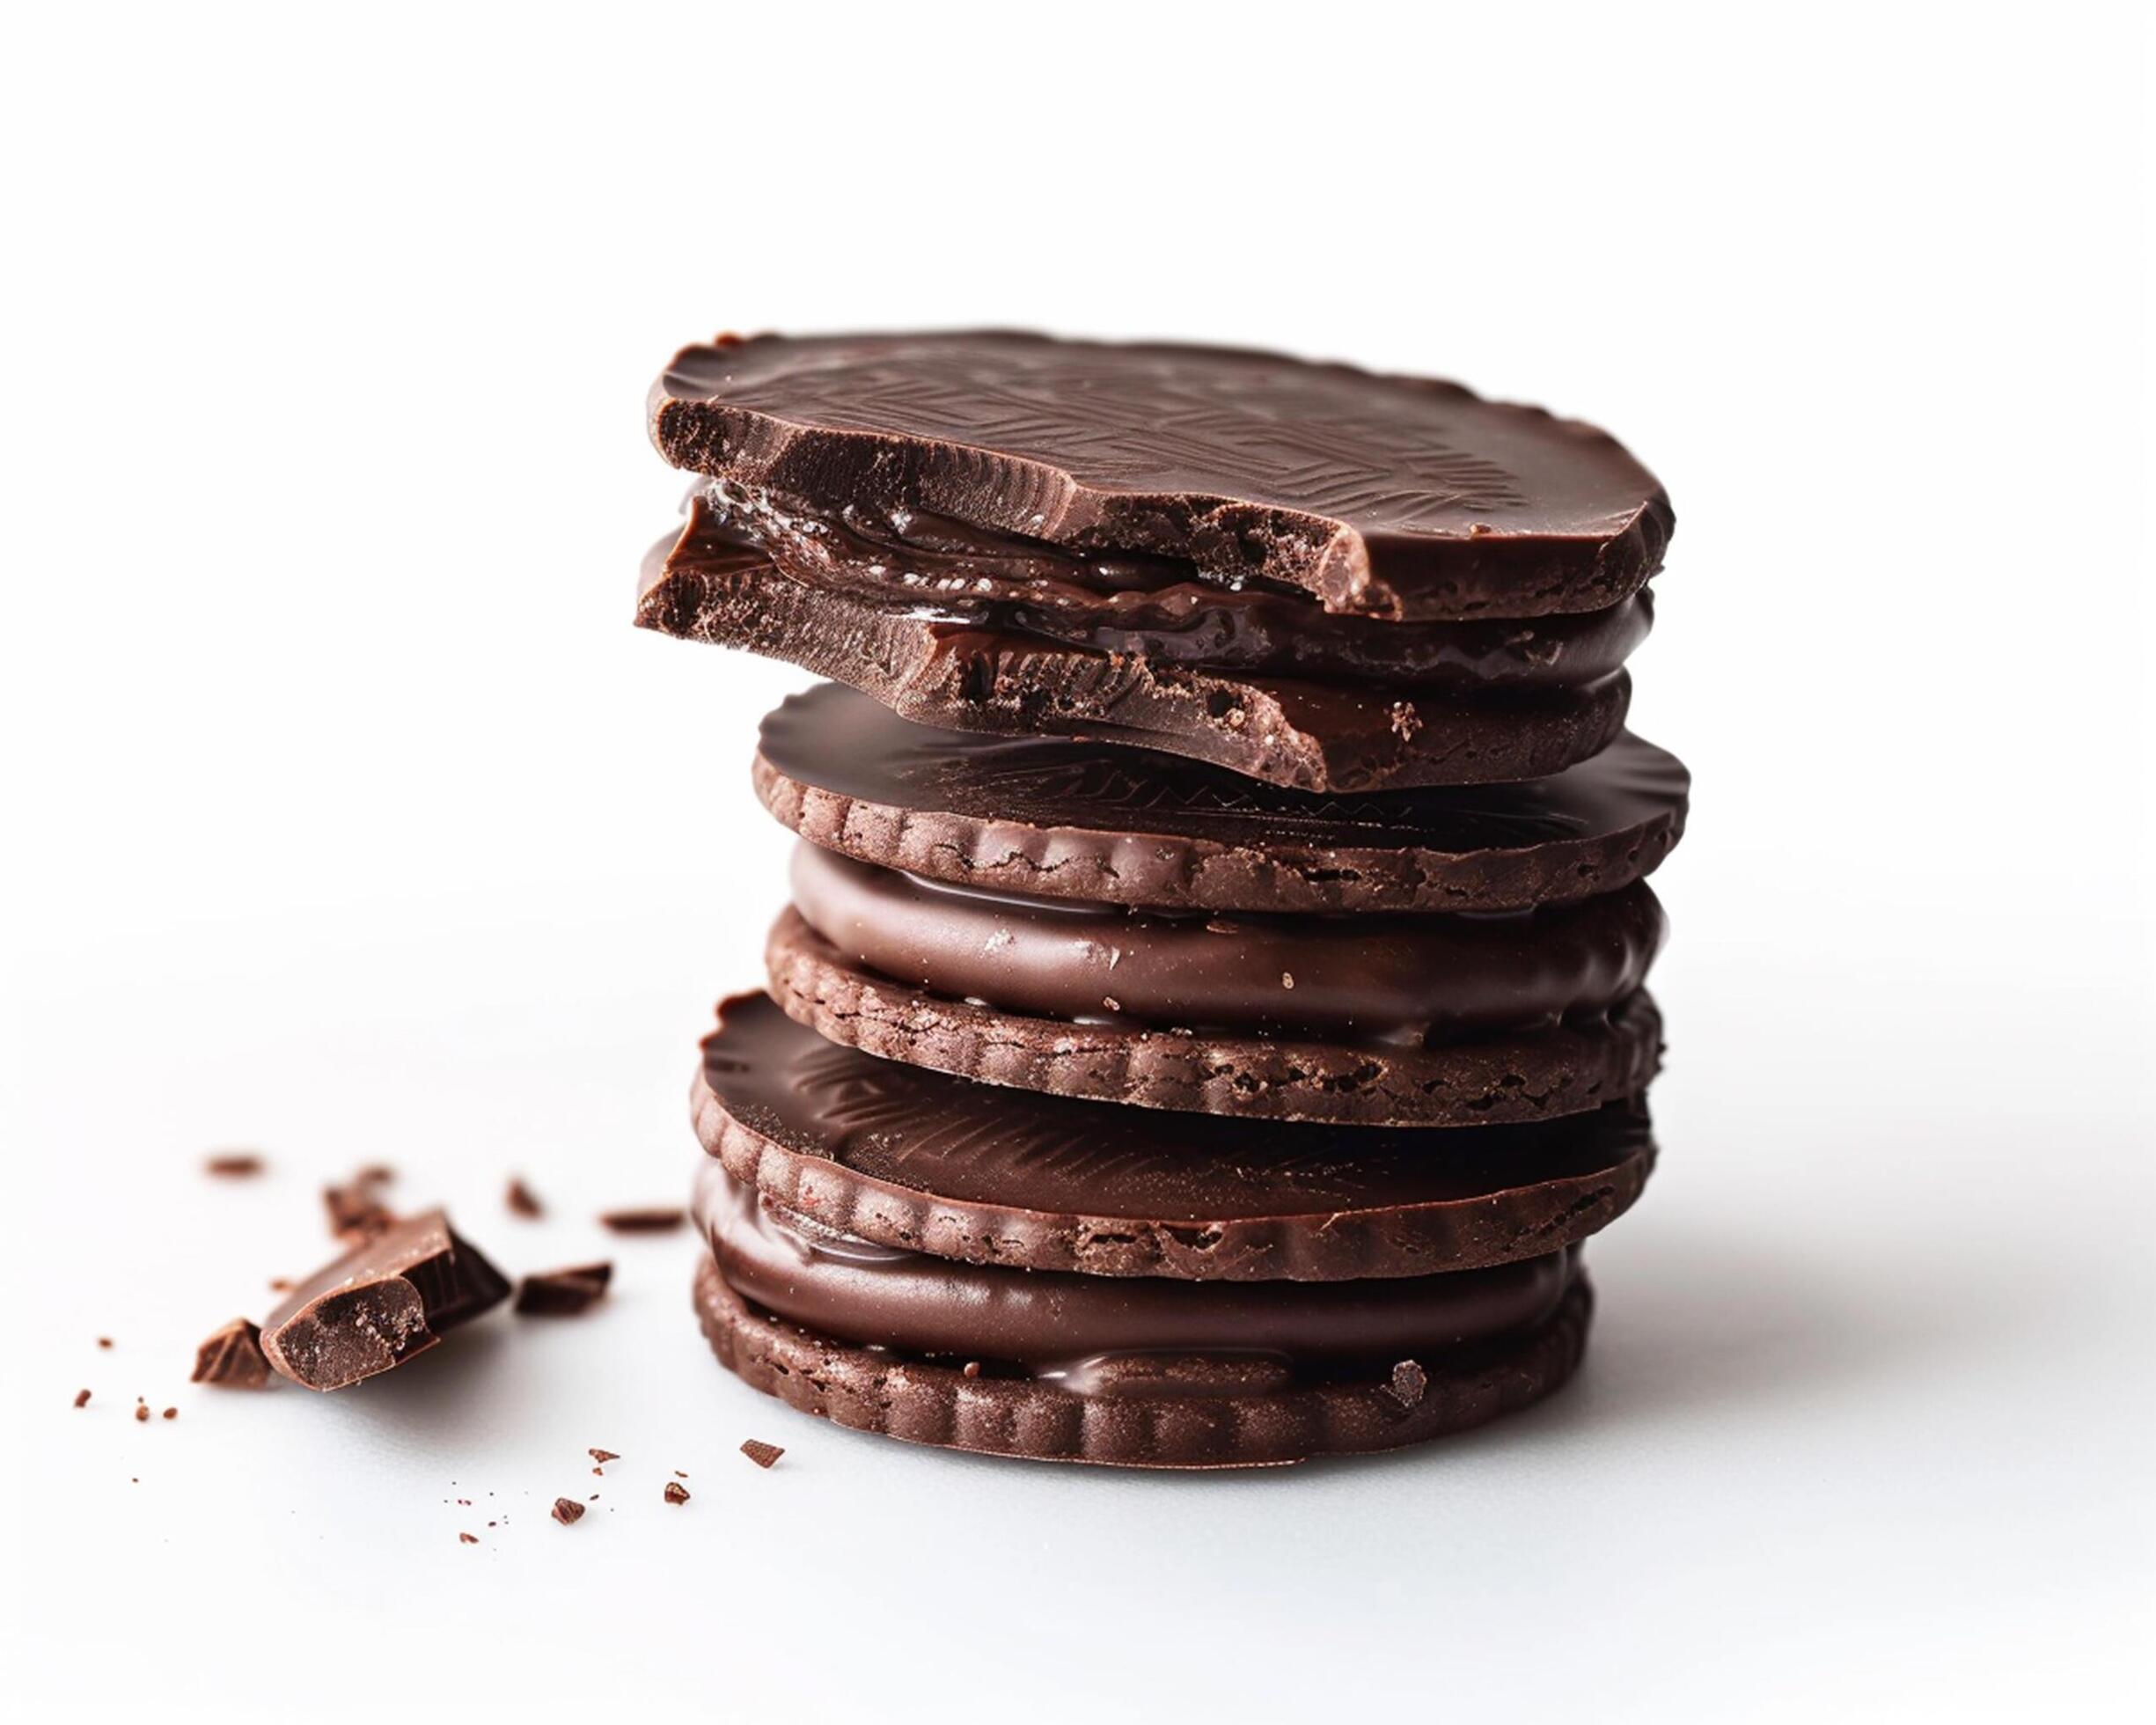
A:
[348,817]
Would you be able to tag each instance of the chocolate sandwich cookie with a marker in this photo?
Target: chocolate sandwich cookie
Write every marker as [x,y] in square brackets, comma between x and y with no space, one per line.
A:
[1308,574]
[904,1157]
[1138,1371]
[1384,1020]
[1059,819]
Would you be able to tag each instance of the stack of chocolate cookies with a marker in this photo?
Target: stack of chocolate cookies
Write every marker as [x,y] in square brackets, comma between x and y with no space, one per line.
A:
[1210,1015]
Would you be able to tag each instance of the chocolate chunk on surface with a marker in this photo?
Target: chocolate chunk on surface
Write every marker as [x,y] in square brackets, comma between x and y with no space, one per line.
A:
[567,1511]
[562,1293]
[1312,736]
[232,1356]
[1197,1418]
[1113,824]
[391,1297]
[648,1219]
[1389,496]
[907,1158]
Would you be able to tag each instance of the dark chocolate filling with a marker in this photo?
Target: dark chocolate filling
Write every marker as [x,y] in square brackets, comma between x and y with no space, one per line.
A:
[1057,1325]
[946,571]
[1393,980]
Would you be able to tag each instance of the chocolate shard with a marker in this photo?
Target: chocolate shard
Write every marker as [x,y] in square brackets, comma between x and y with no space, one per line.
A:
[232,1357]
[391,1296]
[562,1293]
[653,1219]
[523,1201]
[602,1456]
[1384,496]
[676,1491]
[233,1165]
[567,1511]
[82,1399]
[763,1454]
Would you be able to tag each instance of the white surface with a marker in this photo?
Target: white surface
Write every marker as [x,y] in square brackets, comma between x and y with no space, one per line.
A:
[354,822]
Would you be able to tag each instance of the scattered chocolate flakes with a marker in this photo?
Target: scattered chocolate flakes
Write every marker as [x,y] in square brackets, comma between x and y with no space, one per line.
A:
[142,1408]
[355,1209]
[468,1539]
[523,1201]
[82,1399]
[233,1165]
[1409,1381]
[567,1511]
[563,1293]
[233,1356]
[655,1219]
[761,1453]
[676,1491]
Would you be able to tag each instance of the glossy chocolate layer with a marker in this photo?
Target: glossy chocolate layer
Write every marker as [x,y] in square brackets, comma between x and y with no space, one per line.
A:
[909,1157]
[711,585]
[1412,981]
[1050,1322]
[1140,1410]
[946,572]
[1094,821]
[1396,497]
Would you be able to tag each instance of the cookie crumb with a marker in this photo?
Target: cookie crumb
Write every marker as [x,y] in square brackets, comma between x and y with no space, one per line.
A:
[1287,979]
[233,1165]
[82,1399]
[105,1341]
[142,1408]
[171,1414]
[468,1539]
[523,1201]
[1408,1383]
[602,1456]
[761,1453]
[567,1510]
[676,1491]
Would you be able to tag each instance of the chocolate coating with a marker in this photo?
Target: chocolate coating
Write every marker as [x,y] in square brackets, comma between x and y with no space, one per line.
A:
[1398,497]
[908,1157]
[1577,1065]
[1171,1413]
[1390,982]
[948,572]
[709,587]
[1133,826]
[1052,1324]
